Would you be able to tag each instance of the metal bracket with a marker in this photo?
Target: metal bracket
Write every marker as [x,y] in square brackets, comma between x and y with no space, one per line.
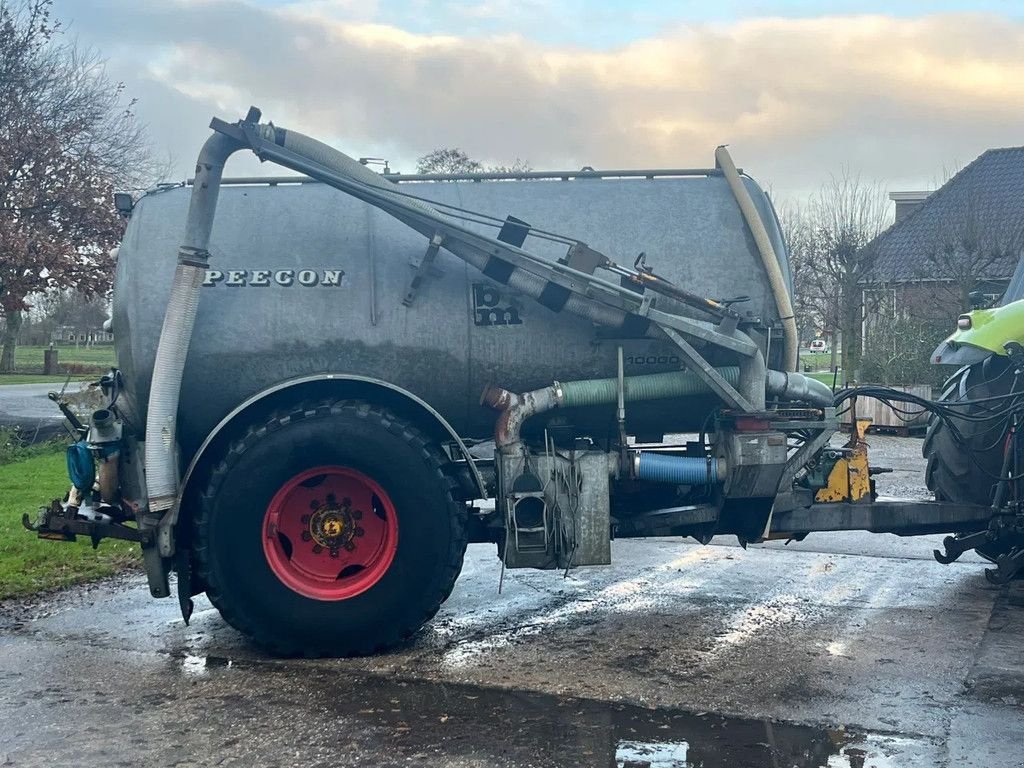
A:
[583,258]
[803,454]
[423,267]
[704,331]
[646,304]
[708,374]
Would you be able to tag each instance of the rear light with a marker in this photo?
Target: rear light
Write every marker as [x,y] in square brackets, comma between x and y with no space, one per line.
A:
[751,424]
[963,323]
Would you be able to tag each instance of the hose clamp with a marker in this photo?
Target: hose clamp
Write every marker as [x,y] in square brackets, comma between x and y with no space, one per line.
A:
[193,257]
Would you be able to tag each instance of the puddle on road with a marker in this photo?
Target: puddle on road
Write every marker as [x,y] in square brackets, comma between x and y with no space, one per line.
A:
[446,723]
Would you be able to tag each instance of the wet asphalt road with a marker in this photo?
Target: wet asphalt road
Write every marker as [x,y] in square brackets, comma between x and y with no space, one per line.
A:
[843,650]
[28,402]
[27,406]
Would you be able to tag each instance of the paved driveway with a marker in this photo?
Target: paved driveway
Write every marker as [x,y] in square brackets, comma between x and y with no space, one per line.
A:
[845,650]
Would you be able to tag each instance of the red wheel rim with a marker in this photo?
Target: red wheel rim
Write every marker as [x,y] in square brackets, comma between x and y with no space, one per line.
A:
[330,533]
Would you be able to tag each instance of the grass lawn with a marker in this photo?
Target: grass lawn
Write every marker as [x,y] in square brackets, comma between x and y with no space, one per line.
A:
[825,377]
[31,378]
[28,564]
[817,360]
[31,358]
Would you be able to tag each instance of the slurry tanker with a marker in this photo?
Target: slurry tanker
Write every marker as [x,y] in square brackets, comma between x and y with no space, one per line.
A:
[329,383]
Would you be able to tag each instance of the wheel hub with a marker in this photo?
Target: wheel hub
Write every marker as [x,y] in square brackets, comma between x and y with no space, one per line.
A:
[330,533]
[333,526]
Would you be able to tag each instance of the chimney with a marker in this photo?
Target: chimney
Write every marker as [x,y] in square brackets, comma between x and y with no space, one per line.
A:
[906,202]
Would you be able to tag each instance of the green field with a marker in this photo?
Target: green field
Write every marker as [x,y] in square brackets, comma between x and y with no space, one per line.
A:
[818,361]
[31,358]
[83,363]
[29,564]
[825,377]
[31,378]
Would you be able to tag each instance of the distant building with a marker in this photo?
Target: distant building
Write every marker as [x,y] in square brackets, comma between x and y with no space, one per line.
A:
[67,334]
[965,237]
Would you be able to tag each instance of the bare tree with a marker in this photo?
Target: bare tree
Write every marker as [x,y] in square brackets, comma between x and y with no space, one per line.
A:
[67,137]
[898,349]
[973,250]
[72,310]
[834,257]
[453,160]
[811,313]
[517,166]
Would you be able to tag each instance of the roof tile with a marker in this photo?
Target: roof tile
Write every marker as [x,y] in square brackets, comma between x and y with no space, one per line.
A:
[986,196]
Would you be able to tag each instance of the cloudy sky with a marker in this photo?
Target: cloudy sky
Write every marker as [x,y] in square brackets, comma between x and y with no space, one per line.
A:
[898,90]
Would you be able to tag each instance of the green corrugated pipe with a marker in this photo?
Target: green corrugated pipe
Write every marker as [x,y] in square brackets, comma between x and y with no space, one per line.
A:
[652,386]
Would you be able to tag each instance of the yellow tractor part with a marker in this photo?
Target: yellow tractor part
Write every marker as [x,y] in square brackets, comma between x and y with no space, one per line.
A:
[849,479]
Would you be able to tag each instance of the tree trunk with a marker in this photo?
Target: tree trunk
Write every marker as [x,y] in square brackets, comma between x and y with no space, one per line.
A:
[850,321]
[851,349]
[11,328]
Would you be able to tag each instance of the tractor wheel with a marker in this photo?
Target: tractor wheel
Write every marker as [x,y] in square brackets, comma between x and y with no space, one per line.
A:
[965,473]
[952,474]
[330,530]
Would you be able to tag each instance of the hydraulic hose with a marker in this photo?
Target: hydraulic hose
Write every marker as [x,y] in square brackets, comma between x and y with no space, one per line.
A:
[179,319]
[654,386]
[780,290]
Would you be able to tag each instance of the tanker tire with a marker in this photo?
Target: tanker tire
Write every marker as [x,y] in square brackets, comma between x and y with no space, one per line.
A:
[951,474]
[432,531]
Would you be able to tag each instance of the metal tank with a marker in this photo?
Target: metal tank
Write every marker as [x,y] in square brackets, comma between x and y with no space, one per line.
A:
[305,280]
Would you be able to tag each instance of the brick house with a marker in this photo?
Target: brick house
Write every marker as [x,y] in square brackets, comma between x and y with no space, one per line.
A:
[967,236]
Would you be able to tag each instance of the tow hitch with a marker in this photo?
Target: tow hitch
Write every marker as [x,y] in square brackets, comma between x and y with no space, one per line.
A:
[93,507]
[63,522]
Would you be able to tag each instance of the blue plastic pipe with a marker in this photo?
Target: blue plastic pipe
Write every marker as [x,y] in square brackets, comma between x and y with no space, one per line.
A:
[681,470]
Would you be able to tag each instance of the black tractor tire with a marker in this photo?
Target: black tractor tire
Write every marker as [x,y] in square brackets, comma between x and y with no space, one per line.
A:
[230,529]
[966,473]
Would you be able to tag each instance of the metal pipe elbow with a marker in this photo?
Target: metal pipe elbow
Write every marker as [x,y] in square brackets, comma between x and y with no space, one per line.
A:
[516,409]
[796,386]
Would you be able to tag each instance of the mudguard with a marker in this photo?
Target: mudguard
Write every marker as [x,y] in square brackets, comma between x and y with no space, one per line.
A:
[980,333]
[341,383]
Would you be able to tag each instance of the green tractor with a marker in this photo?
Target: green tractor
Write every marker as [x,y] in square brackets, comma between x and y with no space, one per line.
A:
[969,454]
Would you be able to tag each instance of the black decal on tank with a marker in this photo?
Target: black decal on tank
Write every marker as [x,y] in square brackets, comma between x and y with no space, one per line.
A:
[490,308]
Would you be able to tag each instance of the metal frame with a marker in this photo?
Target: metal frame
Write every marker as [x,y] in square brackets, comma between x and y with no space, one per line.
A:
[620,173]
[904,518]
[709,375]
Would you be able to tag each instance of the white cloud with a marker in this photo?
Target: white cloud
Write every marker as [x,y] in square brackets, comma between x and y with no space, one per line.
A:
[895,98]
